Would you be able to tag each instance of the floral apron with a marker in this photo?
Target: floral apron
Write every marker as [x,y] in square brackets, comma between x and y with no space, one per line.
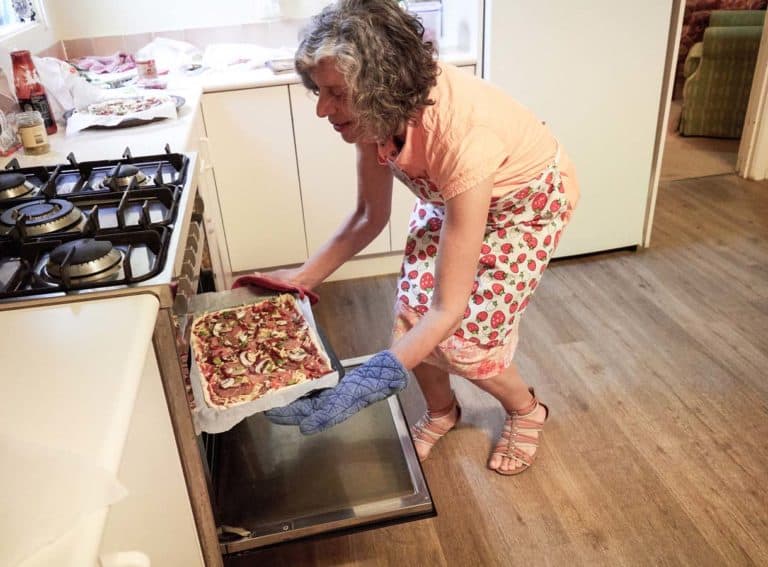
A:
[522,231]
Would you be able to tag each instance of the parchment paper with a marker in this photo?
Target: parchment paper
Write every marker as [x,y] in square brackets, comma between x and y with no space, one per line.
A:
[217,420]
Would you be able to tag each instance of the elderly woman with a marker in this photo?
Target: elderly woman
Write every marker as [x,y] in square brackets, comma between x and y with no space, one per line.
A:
[494,191]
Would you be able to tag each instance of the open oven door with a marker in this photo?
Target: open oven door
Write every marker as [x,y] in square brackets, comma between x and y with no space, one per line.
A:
[272,484]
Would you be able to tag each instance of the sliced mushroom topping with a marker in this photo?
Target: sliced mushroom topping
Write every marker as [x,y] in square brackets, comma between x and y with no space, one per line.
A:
[234,381]
[221,328]
[248,358]
[234,369]
[297,355]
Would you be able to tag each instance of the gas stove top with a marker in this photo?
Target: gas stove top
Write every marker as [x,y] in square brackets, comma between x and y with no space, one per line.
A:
[77,227]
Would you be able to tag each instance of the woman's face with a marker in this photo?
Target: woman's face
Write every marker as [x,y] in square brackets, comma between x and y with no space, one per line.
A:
[333,100]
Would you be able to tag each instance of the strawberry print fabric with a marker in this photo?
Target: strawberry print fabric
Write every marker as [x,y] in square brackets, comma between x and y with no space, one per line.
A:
[522,232]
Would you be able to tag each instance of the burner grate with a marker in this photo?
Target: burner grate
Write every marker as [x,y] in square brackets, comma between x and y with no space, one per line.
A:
[142,255]
[132,202]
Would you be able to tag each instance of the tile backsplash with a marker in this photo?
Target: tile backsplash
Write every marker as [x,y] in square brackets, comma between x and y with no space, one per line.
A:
[56,50]
[281,33]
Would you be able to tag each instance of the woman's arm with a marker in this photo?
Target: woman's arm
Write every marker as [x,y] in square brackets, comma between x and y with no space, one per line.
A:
[374,202]
[461,238]
[385,373]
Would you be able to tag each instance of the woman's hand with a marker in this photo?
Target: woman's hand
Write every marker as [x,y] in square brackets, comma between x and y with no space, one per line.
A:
[285,280]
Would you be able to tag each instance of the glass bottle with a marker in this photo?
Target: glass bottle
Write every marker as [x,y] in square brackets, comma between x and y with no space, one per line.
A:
[32,132]
[30,91]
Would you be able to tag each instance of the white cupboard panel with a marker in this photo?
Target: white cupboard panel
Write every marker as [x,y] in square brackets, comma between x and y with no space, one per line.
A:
[327,171]
[593,71]
[156,516]
[253,155]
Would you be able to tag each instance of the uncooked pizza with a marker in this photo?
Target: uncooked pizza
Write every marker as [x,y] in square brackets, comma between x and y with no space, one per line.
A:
[125,106]
[245,352]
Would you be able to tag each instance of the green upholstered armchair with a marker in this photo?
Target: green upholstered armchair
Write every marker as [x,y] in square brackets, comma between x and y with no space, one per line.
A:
[718,74]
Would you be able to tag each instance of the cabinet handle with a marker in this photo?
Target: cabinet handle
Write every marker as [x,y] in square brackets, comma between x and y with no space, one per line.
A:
[206,162]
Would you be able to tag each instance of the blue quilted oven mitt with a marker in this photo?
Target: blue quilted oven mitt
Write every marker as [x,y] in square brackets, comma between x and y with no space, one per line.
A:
[293,413]
[380,377]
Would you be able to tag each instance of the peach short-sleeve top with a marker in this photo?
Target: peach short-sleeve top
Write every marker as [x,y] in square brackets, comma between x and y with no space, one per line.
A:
[474,131]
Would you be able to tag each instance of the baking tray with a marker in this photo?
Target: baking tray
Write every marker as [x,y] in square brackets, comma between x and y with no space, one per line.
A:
[213,420]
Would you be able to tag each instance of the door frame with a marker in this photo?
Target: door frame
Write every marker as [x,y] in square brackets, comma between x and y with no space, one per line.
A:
[670,66]
[752,162]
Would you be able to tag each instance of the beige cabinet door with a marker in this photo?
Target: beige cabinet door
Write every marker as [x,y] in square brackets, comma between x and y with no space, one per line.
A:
[327,172]
[403,201]
[254,161]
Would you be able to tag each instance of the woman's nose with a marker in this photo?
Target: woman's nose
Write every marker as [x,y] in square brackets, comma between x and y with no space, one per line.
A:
[324,106]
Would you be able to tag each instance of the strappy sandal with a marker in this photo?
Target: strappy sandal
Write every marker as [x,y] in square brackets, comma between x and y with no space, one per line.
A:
[513,437]
[428,432]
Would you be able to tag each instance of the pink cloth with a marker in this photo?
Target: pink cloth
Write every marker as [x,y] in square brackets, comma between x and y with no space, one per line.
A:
[265,282]
[116,63]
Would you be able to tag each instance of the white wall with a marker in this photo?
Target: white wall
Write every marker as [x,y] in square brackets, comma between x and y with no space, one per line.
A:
[74,19]
[34,38]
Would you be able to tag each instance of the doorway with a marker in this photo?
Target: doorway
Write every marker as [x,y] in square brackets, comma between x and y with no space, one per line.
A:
[687,157]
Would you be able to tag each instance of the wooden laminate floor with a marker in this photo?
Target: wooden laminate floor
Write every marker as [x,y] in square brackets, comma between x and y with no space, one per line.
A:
[655,366]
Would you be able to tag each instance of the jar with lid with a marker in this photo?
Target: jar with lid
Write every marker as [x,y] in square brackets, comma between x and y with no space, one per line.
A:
[32,132]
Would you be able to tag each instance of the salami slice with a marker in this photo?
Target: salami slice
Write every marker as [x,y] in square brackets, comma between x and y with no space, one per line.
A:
[245,352]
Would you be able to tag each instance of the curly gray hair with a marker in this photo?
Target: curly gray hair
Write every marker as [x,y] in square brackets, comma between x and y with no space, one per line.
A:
[380,50]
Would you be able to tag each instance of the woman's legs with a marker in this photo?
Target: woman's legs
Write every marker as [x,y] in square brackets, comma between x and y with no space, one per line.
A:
[435,385]
[442,412]
[510,389]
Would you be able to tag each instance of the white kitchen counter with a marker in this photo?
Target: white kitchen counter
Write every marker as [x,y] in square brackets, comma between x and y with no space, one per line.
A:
[145,139]
[68,382]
